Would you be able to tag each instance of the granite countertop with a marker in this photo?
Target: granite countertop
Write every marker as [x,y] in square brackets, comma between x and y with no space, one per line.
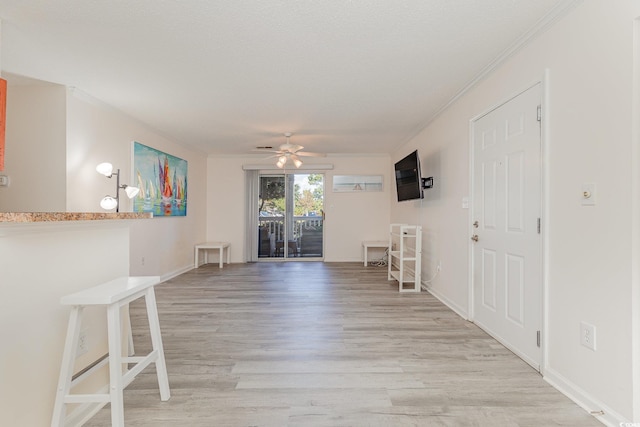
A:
[23,217]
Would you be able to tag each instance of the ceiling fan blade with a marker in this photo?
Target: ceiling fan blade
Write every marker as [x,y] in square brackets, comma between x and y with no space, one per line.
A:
[310,154]
[292,148]
[262,150]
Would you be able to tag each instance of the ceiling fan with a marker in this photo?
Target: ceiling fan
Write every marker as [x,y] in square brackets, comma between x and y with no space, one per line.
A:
[292,152]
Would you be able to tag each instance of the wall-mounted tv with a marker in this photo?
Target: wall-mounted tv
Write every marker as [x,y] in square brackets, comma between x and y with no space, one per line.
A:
[408,178]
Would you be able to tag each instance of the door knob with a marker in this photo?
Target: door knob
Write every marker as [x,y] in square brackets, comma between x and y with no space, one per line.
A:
[474,237]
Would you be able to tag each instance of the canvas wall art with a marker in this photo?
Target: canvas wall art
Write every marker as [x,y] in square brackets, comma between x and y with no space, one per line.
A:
[162,179]
[351,183]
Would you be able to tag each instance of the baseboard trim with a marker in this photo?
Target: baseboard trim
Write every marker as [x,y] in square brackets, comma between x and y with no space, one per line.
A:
[597,409]
[446,301]
[175,273]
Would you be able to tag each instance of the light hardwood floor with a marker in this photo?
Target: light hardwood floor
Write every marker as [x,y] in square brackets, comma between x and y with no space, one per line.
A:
[327,344]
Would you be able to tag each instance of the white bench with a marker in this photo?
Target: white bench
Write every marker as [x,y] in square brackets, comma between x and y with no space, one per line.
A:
[221,246]
[114,295]
[373,244]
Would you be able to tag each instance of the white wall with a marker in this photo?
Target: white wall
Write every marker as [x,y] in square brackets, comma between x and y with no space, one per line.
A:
[354,217]
[350,217]
[589,55]
[441,215]
[35,149]
[97,133]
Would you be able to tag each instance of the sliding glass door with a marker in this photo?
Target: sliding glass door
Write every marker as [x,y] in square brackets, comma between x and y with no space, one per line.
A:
[290,216]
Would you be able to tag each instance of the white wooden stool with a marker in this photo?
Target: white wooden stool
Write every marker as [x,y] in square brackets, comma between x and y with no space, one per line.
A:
[211,245]
[114,294]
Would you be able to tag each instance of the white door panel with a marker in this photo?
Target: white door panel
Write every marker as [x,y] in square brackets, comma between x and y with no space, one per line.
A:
[507,297]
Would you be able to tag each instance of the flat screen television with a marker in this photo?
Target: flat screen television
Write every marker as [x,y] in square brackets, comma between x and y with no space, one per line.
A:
[408,178]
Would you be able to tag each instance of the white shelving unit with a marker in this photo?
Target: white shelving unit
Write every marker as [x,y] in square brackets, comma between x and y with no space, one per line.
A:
[405,256]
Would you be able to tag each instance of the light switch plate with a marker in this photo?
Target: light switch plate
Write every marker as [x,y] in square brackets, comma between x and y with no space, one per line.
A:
[4,181]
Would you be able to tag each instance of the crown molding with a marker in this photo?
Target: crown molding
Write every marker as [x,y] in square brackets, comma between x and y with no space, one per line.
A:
[557,13]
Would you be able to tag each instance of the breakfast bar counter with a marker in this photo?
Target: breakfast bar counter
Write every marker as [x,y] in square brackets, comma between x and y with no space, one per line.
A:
[44,256]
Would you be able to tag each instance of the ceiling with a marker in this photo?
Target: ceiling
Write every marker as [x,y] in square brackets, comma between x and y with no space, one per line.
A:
[225,76]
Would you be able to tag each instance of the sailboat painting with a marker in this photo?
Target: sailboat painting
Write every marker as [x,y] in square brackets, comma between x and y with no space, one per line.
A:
[162,179]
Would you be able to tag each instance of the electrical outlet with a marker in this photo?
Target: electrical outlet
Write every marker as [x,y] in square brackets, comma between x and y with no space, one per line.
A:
[142,260]
[588,335]
[83,343]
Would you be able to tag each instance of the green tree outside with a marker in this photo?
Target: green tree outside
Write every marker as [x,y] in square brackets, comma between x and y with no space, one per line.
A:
[306,201]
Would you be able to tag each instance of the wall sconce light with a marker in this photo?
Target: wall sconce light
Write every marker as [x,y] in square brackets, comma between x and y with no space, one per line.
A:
[110,202]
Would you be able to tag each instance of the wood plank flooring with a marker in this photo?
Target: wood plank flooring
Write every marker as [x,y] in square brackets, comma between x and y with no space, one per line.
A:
[327,344]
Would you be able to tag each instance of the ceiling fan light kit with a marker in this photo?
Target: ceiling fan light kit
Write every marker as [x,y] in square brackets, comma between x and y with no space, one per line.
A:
[292,152]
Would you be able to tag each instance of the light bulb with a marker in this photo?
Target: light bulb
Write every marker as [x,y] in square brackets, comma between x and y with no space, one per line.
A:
[108,203]
[131,191]
[105,169]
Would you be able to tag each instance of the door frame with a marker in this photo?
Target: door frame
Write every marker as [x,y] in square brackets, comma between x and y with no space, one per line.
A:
[544,207]
[285,173]
[635,226]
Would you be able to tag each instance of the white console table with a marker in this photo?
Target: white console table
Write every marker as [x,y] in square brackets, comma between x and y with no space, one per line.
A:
[372,244]
[221,246]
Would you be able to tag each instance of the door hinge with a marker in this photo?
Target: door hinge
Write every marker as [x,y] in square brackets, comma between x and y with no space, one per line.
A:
[538,338]
[538,225]
[539,113]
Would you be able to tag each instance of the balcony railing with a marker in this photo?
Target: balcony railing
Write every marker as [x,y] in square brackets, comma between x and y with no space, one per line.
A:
[304,239]
[275,225]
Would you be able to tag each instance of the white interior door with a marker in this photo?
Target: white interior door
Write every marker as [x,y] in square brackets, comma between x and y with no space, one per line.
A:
[506,255]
